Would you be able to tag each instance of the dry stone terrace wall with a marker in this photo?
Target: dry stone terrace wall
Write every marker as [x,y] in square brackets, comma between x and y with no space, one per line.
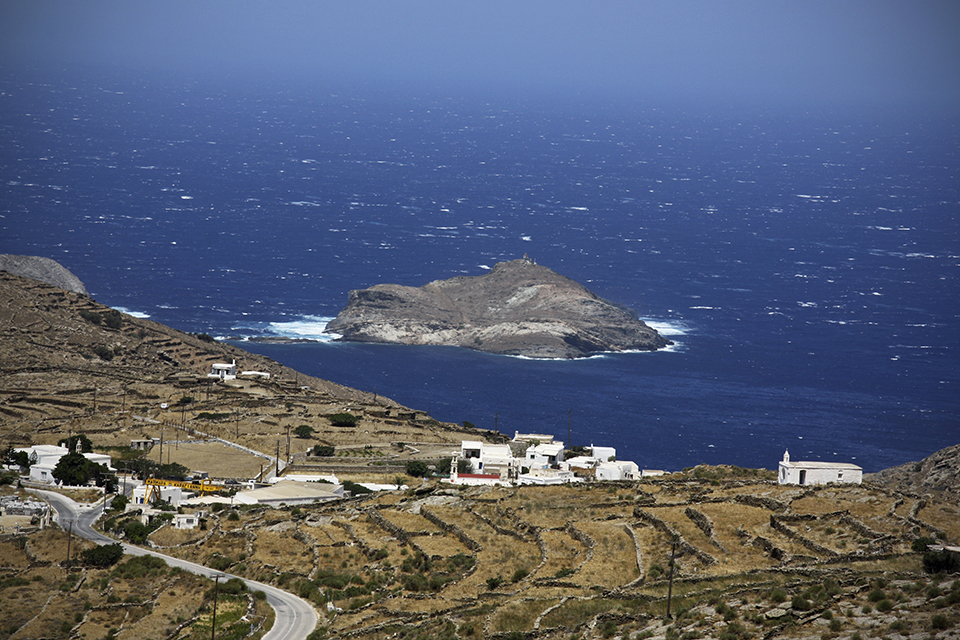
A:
[597,551]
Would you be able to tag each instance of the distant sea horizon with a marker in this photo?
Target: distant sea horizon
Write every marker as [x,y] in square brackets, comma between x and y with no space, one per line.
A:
[805,263]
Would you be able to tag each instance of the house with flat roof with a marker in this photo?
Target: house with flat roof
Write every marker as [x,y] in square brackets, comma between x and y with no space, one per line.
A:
[223,371]
[806,472]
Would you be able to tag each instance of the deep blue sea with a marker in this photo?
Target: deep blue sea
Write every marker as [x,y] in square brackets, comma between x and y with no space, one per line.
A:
[805,263]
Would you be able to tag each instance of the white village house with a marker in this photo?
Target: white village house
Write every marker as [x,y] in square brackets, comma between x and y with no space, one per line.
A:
[223,371]
[807,472]
[44,459]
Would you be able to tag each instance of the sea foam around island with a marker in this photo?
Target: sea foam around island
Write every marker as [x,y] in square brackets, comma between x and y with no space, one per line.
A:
[313,328]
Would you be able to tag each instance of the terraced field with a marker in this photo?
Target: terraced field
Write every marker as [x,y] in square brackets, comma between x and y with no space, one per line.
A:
[752,557]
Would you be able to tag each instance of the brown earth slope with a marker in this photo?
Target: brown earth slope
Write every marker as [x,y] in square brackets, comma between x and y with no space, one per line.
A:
[69,364]
[518,308]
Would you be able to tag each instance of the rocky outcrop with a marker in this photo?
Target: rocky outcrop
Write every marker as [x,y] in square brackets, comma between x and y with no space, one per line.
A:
[937,474]
[518,308]
[42,269]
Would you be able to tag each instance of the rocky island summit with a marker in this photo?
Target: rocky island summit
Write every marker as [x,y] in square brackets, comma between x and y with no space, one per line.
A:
[519,308]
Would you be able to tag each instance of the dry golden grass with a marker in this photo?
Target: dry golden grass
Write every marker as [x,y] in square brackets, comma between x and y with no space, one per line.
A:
[170,536]
[614,557]
[944,517]
[278,548]
[519,615]
[410,522]
[564,553]
[441,546]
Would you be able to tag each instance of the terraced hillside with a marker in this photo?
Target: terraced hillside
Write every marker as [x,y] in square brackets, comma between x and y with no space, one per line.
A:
[70,365]
[753,558]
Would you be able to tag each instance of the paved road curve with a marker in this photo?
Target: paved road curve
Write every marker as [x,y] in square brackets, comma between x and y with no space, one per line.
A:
[295,618]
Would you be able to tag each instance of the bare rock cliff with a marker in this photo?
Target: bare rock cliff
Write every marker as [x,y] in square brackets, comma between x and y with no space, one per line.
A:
[42,269]
[518,308]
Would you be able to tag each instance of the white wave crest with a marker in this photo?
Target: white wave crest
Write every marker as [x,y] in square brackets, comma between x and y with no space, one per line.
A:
[668,327]
[130,312]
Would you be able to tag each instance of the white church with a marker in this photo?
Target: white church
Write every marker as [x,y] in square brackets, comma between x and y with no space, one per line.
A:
[806,472]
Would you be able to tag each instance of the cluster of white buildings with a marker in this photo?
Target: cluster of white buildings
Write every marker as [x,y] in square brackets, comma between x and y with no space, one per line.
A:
[533,458]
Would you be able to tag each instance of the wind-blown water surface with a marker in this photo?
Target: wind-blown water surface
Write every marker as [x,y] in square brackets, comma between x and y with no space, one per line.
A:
[805,265]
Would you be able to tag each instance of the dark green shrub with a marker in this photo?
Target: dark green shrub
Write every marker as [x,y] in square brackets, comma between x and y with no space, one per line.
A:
[778,595]
[416,468]
[112,318]
[940,622]
[304,431]
[920,544]
[103,556]
[343,420]
[876,595]
[800,603]
[884,605]
[323,450]
[519,575]
[104,353]
[941,562]
[220,563]
[493,583]
[91,316]
[355,489]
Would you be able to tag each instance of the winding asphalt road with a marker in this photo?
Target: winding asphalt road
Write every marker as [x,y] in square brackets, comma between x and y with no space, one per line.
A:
[295,618]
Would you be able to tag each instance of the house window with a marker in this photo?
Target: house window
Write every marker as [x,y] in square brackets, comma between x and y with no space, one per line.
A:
[840,475]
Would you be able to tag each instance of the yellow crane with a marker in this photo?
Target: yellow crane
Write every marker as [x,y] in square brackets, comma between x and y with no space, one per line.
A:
[202,487]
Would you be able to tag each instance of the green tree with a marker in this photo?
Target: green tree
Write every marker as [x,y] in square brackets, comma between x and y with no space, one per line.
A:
[103,556]
[343,420]
[416,468]
[304,431]
[19,458]
[72,469]
[323,450]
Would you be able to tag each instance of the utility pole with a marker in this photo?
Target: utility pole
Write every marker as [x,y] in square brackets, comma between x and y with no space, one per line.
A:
[216,589]
[69,540]
[161,446]
[673,555]
[288,444]
[278,457]
[123,407]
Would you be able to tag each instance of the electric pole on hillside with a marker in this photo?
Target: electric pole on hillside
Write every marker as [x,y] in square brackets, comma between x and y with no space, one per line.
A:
[69,540]
[213,625]
[288,445]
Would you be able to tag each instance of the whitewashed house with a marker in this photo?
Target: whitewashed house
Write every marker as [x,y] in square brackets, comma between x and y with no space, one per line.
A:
[544,455]
[223,371]
[807,472]
[169,495]
[490,459]
[188,520]
[622,470]
[603,454]
[536,438]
